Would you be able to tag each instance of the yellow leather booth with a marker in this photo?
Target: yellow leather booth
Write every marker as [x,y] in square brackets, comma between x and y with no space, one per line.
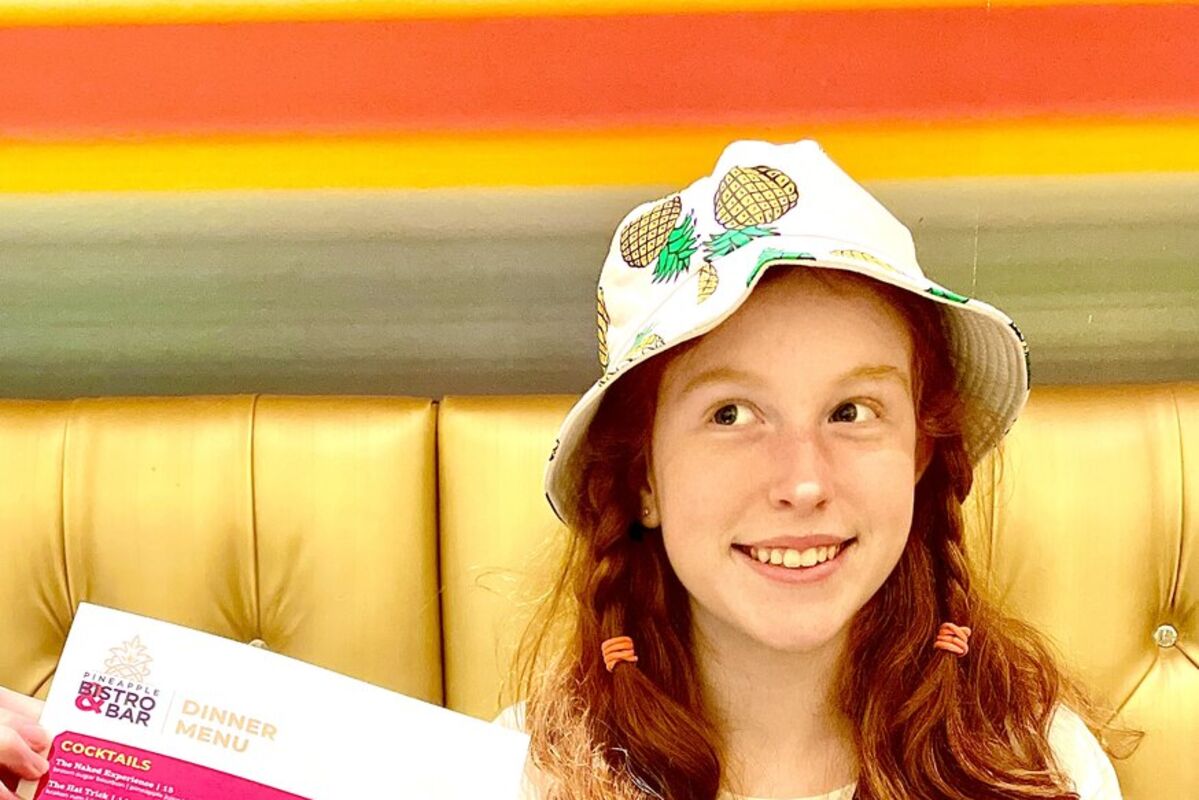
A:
[402,541]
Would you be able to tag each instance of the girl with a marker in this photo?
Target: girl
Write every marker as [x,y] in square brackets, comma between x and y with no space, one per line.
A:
[766,592]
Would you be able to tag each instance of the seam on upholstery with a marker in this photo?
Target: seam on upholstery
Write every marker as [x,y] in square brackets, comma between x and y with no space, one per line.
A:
[1186,655]
[437,539]
[1182,494]
[62,512]
[1119,709]
[256,584]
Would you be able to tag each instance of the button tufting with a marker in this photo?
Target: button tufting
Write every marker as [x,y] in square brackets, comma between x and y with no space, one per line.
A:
[1165,635]
[261,645]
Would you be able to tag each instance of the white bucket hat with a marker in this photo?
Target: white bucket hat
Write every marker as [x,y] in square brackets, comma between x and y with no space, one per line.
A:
[680,266]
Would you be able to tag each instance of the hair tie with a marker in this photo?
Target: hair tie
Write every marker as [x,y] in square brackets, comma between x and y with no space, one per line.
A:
[953,639]
[617,649]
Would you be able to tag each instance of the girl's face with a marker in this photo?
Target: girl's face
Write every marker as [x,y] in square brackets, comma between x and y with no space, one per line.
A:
[793,418]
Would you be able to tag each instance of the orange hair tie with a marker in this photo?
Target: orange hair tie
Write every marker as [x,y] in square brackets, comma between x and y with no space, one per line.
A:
[617,649]
[953,638]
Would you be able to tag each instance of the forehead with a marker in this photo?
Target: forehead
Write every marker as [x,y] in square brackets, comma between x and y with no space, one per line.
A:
[805,315]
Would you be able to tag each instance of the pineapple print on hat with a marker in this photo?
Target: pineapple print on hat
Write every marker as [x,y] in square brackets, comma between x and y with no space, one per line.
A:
[747,199]
[708,281]
[645,341]
[862,256]
[602,320]
[655,237]
[948,295]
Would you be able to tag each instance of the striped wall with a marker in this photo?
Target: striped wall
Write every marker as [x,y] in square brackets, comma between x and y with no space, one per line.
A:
[360,166]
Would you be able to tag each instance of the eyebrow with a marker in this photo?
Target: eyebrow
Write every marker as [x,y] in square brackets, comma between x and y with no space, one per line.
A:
[878,372]
[729,375]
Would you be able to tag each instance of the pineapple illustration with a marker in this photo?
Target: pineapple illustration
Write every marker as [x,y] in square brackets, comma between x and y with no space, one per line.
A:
[129,661]
[644,342]
[602,320]
[709,279]
[948,295]
[658,237]
[769,254]
[861,256]
[746,200]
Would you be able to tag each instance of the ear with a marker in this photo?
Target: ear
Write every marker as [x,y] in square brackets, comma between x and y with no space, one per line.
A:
[924,454]
[648,515]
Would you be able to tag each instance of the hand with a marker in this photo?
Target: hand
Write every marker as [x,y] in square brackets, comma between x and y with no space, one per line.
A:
[24,744]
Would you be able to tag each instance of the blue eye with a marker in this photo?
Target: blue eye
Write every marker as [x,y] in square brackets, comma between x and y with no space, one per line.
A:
[728,415]
[854,417]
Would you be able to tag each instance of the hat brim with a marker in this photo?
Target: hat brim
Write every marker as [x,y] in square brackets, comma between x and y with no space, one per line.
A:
[987,350]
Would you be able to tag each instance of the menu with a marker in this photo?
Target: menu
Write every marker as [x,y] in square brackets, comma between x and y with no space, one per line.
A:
[143,709]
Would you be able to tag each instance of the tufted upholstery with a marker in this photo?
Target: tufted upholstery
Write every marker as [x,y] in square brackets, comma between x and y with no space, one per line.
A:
[307,523]
[317,525]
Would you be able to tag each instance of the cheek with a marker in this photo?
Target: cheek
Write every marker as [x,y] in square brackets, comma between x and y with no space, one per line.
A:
[698,486]
[884,486]
[701,497]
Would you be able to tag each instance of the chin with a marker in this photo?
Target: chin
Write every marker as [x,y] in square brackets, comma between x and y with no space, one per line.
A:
[794,641]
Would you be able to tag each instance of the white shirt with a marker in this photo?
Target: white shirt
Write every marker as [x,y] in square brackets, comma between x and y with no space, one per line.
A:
[1076,748]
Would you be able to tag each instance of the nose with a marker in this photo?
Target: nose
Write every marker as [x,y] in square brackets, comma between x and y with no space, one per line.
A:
[799,473]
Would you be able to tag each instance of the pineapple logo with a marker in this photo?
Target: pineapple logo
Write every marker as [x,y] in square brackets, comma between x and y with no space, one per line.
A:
[602,320]
[130,661]
[658,237]
[747,199]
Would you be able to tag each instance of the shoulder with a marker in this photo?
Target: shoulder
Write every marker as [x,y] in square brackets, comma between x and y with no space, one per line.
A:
[1081,757]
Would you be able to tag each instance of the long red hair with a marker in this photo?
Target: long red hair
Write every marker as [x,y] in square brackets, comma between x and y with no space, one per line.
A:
[926,723]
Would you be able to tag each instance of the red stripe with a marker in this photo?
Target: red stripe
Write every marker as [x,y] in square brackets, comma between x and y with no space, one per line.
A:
[599,72]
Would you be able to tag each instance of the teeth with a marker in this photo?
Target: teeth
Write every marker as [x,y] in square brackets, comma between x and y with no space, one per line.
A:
[791,558]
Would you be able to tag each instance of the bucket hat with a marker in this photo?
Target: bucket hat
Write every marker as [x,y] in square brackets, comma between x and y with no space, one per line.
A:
[680,265]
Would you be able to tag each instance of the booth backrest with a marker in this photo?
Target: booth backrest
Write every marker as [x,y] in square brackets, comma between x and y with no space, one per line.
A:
[327,527]
[307,524]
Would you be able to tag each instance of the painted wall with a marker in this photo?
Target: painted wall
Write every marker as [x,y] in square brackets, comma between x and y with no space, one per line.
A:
[372,197]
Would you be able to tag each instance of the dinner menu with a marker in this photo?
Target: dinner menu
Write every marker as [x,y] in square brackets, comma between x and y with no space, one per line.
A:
[142,709]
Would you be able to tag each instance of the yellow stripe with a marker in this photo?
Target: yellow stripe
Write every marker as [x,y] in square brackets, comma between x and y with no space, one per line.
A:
[89,12]
[623,158]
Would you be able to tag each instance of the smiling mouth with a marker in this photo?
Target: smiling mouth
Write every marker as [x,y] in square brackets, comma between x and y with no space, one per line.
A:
[792,559]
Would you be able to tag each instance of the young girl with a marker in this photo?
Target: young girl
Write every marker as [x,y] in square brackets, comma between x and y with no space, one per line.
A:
[766,592]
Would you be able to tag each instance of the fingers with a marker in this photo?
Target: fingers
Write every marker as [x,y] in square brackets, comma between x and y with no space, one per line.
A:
[30,731]
[8,786]
[28,707]
[24,744]
[17,757]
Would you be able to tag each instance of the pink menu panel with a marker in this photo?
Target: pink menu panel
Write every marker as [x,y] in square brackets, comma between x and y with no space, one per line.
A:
[86,768]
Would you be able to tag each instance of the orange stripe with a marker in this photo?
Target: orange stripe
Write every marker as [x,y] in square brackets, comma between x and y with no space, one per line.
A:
[603,72]
[660,158]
